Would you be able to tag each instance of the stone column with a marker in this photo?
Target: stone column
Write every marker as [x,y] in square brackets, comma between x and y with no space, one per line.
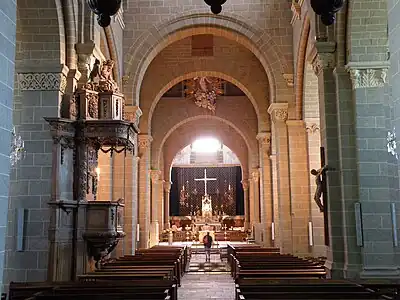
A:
[167,191]
[375,175]
[314,162]
[245,184]
[275,205]
[135,201]
[161,205]
[323,63]
[8,10]
[255,192]
[279,113]
[155,202]
[144,142]
[264,139]
[299,186]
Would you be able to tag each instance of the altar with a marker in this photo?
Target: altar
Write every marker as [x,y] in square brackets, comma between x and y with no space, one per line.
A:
[202,234]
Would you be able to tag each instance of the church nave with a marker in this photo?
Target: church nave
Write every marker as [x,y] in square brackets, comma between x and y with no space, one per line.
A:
[206,282]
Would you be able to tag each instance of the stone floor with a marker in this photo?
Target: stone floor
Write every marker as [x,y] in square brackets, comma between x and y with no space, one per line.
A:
[206,285]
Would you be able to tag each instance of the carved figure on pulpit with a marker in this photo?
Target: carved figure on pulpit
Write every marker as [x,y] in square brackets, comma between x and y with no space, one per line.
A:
[107,83]
[206,206]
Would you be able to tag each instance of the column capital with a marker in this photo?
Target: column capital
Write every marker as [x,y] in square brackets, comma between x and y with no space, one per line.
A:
[155,175]
[278,111]
[144,141]
[264,138]
[167,186]
[255,175]
[312,127]
[132,114]
[245,184]
[322,56]
[368,74]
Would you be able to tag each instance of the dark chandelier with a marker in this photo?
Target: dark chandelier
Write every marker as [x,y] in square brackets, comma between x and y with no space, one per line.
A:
[327,9]
[104,9]
[215,5]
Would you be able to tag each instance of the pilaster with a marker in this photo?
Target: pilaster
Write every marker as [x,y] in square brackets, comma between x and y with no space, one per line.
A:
[275,231]
[264,139]
[144,143]
[323,62]
[255,193]
[314,162]
[245,185]
[375,180]
[167,191]
[279,114]
[156,187]
[299,186]
[161,202]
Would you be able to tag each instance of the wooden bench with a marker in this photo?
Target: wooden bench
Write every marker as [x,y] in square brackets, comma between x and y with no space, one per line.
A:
[140,289]
[302,289]
[267,263]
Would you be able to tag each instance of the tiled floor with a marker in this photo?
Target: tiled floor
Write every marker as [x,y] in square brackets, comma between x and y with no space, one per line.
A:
[206,285]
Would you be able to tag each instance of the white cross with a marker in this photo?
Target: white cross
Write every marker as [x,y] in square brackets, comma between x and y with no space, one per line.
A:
[205,179]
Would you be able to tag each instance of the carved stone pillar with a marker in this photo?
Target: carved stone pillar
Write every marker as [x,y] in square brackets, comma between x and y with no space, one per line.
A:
[245,184]
[264,139]
[377,172]
[144,142]
[279,114]
[167,191]
[299,186]
[155,201]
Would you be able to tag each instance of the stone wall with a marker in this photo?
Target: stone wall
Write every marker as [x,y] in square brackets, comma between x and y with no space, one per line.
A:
[7,56]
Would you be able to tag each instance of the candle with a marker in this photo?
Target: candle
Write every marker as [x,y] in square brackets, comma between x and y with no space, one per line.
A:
[137,232]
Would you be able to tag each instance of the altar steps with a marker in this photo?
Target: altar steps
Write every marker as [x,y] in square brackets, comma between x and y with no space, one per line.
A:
[198,265]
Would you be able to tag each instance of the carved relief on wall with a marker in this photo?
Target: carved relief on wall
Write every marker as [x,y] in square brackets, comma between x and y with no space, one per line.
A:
[42,82]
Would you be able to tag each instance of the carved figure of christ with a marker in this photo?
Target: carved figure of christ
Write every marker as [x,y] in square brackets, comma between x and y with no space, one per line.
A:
[205,179]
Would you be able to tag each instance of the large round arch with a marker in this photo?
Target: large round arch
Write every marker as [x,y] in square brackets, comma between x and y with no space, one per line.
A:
[188,131]
[151,43]
[235,110]
[155,88]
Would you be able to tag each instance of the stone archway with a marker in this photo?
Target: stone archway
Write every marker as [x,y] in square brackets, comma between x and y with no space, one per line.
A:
[189,129]
[259,42]
[186,133]
[233,110]
[154,88]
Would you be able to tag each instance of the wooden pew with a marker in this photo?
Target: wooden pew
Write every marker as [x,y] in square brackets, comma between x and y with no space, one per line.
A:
[136,289]
[302,289]
[270,264]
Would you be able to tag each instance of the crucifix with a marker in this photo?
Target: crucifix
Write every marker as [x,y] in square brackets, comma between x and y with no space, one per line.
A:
[205,179]
[321,191]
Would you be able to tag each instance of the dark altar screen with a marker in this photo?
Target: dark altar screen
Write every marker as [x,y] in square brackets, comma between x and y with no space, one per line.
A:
[226,191]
